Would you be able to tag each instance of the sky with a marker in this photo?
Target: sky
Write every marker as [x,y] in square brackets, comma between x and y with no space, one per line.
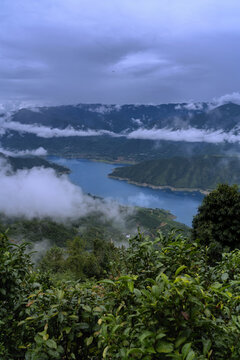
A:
[118,51]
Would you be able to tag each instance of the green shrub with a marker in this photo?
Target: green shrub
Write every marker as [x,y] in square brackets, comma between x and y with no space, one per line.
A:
[165,303]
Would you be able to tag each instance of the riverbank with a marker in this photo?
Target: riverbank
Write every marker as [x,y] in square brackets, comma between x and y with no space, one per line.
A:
[160,187]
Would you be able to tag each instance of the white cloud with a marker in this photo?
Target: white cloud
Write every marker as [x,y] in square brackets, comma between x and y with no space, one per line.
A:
[137,121]
[104,109]
[139,61]
[193,106]
[15,153]
[188,135]
[47,132]
[41,193]
[234,98]
[9,107]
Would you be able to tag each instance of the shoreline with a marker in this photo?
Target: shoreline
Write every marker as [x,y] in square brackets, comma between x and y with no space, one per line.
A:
[112,162]
[159,187]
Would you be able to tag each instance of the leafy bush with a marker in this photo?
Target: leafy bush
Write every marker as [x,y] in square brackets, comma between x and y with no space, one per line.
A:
[16,281]
[165,303]
[78,262]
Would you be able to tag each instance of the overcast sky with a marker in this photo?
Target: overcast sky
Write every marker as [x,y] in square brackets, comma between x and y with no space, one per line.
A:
[118,51]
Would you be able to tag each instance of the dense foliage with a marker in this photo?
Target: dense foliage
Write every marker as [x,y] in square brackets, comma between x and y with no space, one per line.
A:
[76,261]
[201,172]
[218,219]
[161,301]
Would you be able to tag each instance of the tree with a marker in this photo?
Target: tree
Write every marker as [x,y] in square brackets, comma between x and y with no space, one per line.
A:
[218,218]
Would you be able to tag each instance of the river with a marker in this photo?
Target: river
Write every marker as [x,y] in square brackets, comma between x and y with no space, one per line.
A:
[93,178]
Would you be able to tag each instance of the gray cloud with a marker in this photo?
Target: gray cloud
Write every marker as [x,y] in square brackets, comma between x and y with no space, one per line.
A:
[118,51]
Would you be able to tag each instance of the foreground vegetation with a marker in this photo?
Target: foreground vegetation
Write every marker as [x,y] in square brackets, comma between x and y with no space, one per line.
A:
[202,172]
[163,300]
[171,297]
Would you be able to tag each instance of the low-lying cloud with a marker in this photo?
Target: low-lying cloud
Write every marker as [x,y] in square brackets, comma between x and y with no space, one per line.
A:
[40,193]
[48,132]
[16,153]
[188,135]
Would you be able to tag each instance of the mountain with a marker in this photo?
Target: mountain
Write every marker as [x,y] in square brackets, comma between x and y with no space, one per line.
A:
[124,133]
[124,118]
[202,172]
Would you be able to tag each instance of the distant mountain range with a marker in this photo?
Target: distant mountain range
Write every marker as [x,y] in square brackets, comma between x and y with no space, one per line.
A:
[127,118]
[127,132]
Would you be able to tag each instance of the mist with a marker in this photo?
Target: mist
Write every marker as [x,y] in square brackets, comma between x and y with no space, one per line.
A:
[41,193]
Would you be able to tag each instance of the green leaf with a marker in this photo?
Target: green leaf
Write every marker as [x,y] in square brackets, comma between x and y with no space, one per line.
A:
[137,292]
[160,336]
[181,268]
[83,325]
[89,340]
[38,339]
[60,294]
[190,355]
[130,285]
[145,335]
[107,281]
[67,330]
[51,344]
[164,347]
[135,351]
[180,341]
[206,346]
[86,308]
[185,349]
[164,278]
[105,352]
[156,290]
[224,276]
[207,312]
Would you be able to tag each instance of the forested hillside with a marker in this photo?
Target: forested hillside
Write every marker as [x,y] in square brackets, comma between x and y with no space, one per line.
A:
[92,226]
[202,172]
[28,162]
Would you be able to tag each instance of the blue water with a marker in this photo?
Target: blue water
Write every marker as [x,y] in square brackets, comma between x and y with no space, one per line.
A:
[92,178]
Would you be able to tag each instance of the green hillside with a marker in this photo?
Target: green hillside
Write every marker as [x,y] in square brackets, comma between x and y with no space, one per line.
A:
[28,162]
[202,172]
[92,226]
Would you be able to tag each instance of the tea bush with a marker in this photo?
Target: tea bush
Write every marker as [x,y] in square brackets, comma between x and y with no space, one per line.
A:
[162,301]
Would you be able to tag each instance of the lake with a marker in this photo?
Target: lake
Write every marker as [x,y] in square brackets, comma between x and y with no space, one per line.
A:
[92,177]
